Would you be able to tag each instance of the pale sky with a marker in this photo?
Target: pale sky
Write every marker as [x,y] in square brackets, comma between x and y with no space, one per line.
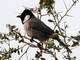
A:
[9,9]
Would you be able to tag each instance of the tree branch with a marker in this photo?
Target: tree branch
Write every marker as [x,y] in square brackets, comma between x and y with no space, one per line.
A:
[65,14]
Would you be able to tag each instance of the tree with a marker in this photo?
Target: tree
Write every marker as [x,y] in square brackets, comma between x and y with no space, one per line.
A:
[50,47]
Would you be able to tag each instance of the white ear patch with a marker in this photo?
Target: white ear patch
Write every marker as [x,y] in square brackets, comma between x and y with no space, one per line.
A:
[26,18]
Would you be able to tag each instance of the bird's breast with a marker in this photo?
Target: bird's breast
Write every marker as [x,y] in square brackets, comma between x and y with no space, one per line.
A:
[26,26]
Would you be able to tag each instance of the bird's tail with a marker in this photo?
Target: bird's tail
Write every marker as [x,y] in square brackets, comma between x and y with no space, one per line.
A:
[56,37]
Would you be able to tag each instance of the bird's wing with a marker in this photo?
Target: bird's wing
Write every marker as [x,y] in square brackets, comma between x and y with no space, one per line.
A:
[40,26]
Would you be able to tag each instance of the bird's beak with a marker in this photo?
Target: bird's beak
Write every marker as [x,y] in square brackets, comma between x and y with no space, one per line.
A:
[18,16]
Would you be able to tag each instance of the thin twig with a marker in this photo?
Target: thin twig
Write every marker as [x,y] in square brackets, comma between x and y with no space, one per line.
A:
[24,53]
[65,4]
[22,46]
[44,14]
[56,21]
[64,15]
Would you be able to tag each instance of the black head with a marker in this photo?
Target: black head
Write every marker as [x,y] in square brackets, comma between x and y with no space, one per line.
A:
[24,13]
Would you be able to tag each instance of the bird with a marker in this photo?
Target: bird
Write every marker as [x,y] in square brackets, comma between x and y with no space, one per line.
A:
[36,29]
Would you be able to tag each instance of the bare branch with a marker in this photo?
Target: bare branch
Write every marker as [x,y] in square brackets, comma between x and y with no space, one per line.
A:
[65,14]
[23,53]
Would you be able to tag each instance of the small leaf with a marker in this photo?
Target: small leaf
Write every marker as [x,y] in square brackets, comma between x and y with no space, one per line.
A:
[50,20]
[76,37]
[16,37]
[74,57]
[66,26]
[62,29]
[38,55]
[50,45]
[57,48]
[43,59]
[21,41]
[15,50]
[18,52]
[0,34]
[32,59]
[75,44]
[21,49]
[41,1]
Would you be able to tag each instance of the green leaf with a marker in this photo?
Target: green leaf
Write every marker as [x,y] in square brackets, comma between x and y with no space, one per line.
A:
[15,50]
[0,34]
[66,26]
[38,55]
[57,48]
[75,44]
[21,49]
[18,52]
[50,20]
[50,45]
[76,37]
[43,59]
[41,1]
[32,59]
